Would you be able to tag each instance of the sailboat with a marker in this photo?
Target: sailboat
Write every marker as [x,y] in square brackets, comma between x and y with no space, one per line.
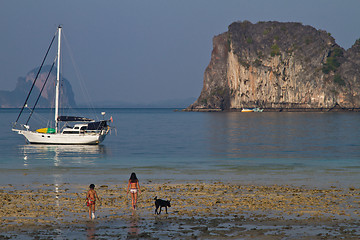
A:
[84,132]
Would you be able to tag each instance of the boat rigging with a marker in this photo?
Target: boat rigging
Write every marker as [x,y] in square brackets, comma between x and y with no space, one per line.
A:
[85,131]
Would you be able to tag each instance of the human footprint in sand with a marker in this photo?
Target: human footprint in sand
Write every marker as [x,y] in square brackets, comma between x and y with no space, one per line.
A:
[134,187]
[91,197]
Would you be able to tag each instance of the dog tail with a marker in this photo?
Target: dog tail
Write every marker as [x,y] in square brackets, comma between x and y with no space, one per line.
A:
[155,198]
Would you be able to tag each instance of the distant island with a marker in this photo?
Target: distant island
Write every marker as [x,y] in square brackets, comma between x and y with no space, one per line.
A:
[16,98]
[169,103]
[280,66]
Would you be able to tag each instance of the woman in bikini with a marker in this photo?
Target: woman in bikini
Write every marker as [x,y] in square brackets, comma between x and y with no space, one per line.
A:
[134,187]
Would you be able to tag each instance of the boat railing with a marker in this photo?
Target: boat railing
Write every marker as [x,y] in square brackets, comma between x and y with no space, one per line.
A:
[92,131]
[85,132]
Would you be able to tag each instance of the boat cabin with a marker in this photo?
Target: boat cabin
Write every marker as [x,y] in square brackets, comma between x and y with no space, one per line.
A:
[77,129]
[83,128]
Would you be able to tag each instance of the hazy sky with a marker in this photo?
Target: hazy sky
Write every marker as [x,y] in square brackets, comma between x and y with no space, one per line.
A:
[145,51]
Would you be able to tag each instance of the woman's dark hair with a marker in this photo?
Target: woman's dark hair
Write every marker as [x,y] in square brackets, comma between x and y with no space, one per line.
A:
[92,186]
[133,177]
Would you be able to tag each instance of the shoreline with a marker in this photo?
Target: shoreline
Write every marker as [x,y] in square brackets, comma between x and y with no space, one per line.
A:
[275,110]
[199,209]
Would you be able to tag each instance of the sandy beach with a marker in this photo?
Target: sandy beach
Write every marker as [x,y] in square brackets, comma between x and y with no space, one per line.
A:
[201,210]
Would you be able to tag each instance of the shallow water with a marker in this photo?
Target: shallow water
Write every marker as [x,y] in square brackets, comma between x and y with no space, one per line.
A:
[316,149]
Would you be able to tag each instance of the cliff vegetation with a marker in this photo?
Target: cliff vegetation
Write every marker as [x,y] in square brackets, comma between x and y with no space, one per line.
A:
[281,67]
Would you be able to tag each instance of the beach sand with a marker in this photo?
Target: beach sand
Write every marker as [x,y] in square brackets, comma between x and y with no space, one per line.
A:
[200,210]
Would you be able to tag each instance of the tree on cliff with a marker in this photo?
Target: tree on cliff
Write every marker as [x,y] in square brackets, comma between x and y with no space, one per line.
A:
[276,65]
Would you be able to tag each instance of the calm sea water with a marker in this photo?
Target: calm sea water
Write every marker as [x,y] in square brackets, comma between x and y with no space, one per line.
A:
[321,149]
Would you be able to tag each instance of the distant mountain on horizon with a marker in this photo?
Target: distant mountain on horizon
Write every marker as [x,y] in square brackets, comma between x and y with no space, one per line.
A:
[16,97]
[170,103]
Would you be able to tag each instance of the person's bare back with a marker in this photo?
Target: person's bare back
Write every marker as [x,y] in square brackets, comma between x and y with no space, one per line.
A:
[91,197]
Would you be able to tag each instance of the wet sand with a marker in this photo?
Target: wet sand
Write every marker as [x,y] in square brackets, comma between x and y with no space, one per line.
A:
[200,210]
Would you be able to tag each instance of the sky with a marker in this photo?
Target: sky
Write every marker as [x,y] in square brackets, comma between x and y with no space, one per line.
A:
[145,51]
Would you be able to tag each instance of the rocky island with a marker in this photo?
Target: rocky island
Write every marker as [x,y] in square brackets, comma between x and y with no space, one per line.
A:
[280,67]
[16,98]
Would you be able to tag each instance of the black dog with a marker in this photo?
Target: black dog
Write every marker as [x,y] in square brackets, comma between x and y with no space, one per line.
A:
[159,203]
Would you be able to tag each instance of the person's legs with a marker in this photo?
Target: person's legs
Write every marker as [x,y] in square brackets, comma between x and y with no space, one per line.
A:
[133,199]
[89,211]
[93,210]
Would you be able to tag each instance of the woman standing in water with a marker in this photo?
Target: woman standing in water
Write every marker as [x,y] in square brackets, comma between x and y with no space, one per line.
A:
[134,187]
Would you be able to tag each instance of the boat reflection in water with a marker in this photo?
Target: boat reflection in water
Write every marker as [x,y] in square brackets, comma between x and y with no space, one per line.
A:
[54,167]
[60,155]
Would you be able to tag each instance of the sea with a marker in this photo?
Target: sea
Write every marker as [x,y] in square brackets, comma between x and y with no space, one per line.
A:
[314,149]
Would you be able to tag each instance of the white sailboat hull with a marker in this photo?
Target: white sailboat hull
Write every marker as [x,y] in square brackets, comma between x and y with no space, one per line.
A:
[60,138]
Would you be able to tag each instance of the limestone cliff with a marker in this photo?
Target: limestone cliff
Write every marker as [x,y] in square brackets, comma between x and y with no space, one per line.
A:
[282,66]
[16,98]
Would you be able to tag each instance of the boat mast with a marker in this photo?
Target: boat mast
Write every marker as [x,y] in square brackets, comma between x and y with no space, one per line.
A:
[57,81]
